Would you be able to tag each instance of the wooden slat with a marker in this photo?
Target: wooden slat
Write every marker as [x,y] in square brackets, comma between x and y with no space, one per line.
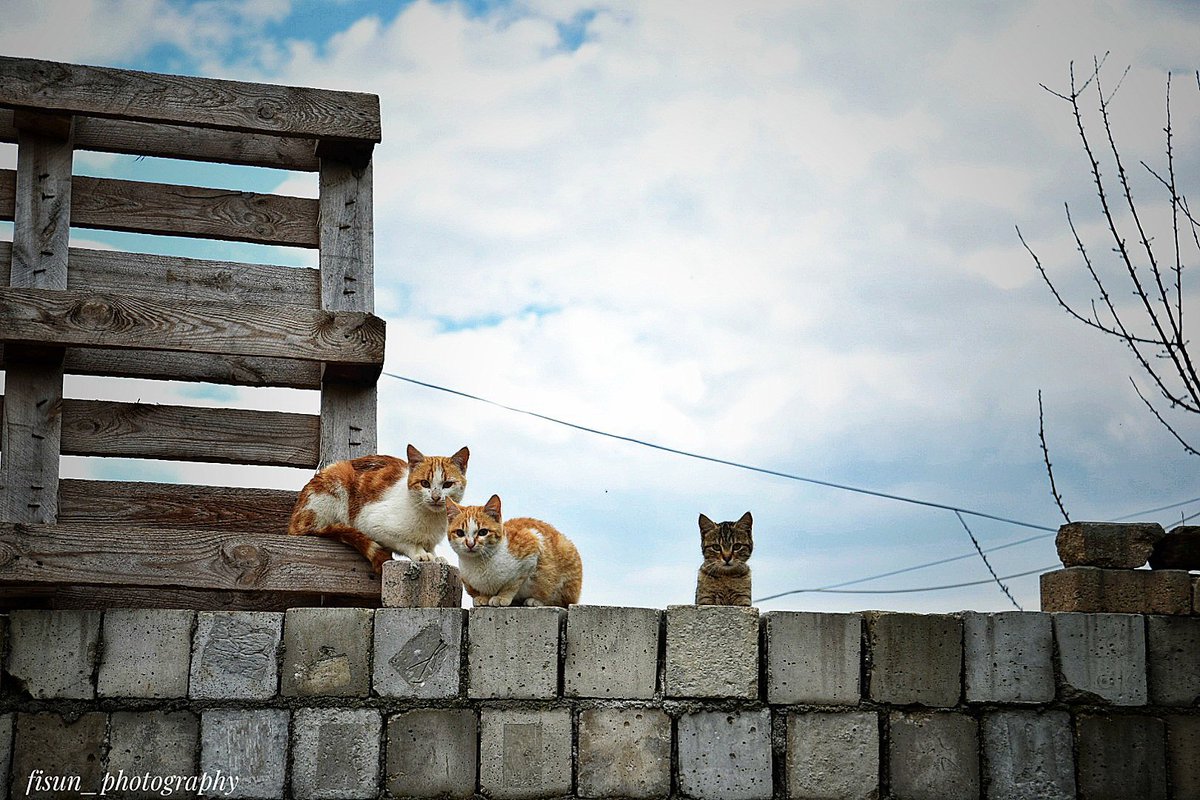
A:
[202,102]
[92,597]
[177,141]
[29,440]
[8,194]
[349,340]
[42,217]
[177,506]
[108,555]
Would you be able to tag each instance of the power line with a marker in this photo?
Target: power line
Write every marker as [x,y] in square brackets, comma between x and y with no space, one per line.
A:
[904,591]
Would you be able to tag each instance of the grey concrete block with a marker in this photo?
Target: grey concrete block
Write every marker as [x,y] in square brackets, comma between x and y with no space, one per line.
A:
[624,752]
[6,741]
[1183,755]
[326,652]
[56,758]
[1121,757]
[725,755]
[146,653]
[1173,660]
[512,653]
[1009,657]
[1028,755]
[149,749]
[418,652]
[1102,658]
[813,658]
[417,584]
[431,753]
[611,652]
[524,753]
[833,755]
[235,655]
[335,753]
[52,654]
[933,755]
[1112,545]
[245,749]
[712,651]
[915,658]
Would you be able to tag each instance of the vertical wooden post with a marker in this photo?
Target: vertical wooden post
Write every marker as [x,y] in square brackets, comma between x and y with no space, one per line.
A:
[31,429]
[348,421]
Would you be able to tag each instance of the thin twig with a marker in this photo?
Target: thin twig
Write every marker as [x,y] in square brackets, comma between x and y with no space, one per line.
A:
[1187,447]
[988,564]
[1046,457]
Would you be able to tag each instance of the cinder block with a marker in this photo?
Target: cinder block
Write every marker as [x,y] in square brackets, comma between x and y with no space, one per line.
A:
[325,652]
[47,748]
[235,655]
[813,658]
[1122,757]
[833,755]
[146,653]
[1173,660]
[725,755]
[6,741]
[915,658]
[1008,657]
[335,753]
[512,653]
[1102,658]
[1179,549]
[1116,591]
[712,651]
[418,652]
[1111,545]
[624,752]
[524,753]
[149,749]
[1028,755]
[415,584]
[611,652]
[244,751]
[1183,755]
[52,654]
[431,753]
[933,754]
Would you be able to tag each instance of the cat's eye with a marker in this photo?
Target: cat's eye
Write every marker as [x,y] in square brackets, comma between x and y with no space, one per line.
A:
[424,484]
[457,533]
[447,484]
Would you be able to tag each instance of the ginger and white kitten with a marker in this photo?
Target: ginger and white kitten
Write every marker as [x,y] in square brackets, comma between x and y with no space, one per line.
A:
[381,504]
[724,578]
[523,561]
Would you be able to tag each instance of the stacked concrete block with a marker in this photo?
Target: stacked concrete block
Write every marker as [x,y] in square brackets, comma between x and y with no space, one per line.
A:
[1183,754]
[915,659]
[415,584]
[1173,661]
[833,755]
[1109,545]
[146,653]
[712,651]
[725,755]
[1008,657]
[611,652]
[52,654]
[335,753]
[248,746]
[524,753]
[512,653]
[624,752]
[1028,755]
[6,738]
[1121,757]
[933,754]
[1102,658]
[431,752]
[148,747]
[48,746]
[235,655]
[813,658]
[326,651]
[1179,549]
[418,652]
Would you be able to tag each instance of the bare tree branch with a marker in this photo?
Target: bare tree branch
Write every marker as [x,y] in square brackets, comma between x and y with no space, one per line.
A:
[1046,457]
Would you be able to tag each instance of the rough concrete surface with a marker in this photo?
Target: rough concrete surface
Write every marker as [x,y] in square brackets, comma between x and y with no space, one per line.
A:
[418,652]
[1112,545]
[326,652]
[833,755]
[624,752]
[524,753]
[611,652]
[512,653]
[813,658]
[52,654]
[335,753]
[725,755]
[249,744]
[915,658]
[1102,658]
[235,655]
[933,754]
[712,651]
[1028,755]
[1008,657]
[145,653]
[431,753]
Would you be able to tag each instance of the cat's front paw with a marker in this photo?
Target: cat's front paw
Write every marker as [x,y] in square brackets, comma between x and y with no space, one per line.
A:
[533,602]
[500,601]
[481,600]
[425,555]
[440,559]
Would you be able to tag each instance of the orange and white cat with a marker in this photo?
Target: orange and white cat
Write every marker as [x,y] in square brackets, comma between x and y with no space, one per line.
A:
[382,504]
[523,561]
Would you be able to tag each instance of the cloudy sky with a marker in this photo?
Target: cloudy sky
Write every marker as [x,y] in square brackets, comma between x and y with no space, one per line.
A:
[781,234]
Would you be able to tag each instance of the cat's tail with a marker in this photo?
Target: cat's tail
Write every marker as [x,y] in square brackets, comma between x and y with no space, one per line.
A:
[374,552]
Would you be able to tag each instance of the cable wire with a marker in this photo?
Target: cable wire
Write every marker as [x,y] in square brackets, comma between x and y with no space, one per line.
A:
[915,589]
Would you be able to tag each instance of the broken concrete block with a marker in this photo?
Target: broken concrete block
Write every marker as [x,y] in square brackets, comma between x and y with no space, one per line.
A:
[325,652]
[1102,658]
[1110,545]
[421,584]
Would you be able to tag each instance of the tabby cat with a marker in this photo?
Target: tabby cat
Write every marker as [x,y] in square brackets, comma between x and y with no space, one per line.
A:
[382,504]
[724,578]
[523,561]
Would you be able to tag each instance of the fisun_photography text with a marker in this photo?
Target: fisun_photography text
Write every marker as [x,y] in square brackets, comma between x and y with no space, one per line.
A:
[216,784]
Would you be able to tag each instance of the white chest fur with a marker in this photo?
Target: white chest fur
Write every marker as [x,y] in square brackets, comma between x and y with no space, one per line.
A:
[398,518]
[495,573]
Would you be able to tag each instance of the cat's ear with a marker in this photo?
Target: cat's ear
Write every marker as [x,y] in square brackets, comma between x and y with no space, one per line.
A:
[414,456]
[746,522]
[459,459]
[492,507]
[452,509]
[706,524]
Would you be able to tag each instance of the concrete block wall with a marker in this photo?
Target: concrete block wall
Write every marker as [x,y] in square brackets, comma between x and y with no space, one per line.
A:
[599,702]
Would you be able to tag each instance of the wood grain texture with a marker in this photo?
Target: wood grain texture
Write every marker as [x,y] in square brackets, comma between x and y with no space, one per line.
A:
[176,506]
[350,340]
[42,212]
[347,233]
[29,441]
[178,141]
[108,555]
[8,194]
[201,102]
[348,422]
[91,597]
[183,433]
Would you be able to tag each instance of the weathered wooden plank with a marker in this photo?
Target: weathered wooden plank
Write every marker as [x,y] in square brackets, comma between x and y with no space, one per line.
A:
[184,279]
[347,233]
[42,217]
[90,596]
[176,506]
[202,102]
[348,422]
[8,194]
[108,555]
[178,141]
[29,441]
[352,341]
[184,433]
